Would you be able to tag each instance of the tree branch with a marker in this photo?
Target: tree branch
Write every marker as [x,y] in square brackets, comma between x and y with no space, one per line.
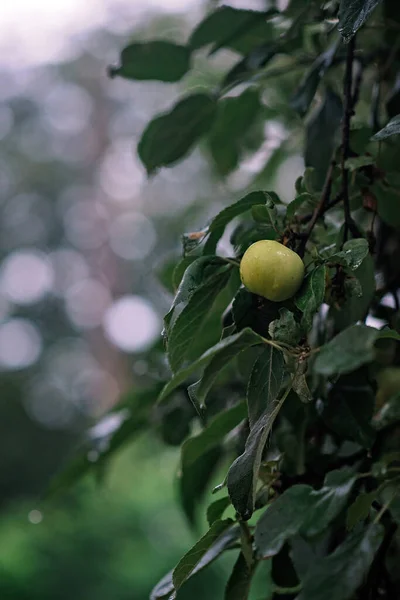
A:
[321,207]
[349,224]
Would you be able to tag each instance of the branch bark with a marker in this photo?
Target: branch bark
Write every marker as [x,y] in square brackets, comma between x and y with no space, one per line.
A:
[321,207]
[349,225]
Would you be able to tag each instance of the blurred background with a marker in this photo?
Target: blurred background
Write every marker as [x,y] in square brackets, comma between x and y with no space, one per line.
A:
[83,237]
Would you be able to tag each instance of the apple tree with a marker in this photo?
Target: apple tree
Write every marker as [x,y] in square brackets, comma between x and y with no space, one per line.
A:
[293,405]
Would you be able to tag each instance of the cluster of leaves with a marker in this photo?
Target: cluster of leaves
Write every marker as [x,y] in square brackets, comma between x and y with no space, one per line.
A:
[285,393]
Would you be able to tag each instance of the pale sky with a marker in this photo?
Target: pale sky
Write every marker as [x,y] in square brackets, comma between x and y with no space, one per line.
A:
[42,31]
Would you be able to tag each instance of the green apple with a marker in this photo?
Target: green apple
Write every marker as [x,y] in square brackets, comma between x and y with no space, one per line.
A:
[271,270]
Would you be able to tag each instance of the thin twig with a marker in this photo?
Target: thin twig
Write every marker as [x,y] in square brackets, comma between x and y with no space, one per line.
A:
[328,206]
[347,114]
[357,85]
[231,261]
[320,208]
[284,591]
[384,508]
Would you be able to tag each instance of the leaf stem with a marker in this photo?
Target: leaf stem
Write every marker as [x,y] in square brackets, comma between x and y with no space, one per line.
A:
[384,508]
[287,590]
[231,261]
[370,474]
[246,543]
[282,346]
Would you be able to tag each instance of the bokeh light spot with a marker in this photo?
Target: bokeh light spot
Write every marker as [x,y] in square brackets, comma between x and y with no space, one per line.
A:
[86,303]
[20,344]
[35,517]
[26,276]
[132,236]
[131,323]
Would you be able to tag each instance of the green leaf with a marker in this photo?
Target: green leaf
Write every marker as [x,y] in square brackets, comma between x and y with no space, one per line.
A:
[217,509]
[243,473]
[353,287]
[349,408]
[352,15]
[180,270]
[198,391]
[302,509]
[349,350]
[305,93]
[245,69]
[267,214]
[190,319]
[174,420]
[265,382]
[353,253]
[281,520]
[296,204]
[160,60]
[285,329]
[213,434]
[170,136]
[388,200]
[240,341]
[247,312]
[165,587]
[302,554]
[390,413]
[394,506]
[233,28]
[238,586]
[241,206]
[360,509]
[195,274]
[355,308]
[323,125]
[235,117]
[217,226]
[357,162]
[193,482]
[338,575]
[211,540]
[328,502]
[311,296]
[388,334]
[300,387]
[392,128]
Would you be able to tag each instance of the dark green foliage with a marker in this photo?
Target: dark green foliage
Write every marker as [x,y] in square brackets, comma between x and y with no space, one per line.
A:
[338,575]
[233,28]
[311,296]
[153,60]
[324,122]
[170,136]
[235,118]
[238,586]
[265,382]
[207,548]
[312,458]
[353,14]
[349,350]
[349,408]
